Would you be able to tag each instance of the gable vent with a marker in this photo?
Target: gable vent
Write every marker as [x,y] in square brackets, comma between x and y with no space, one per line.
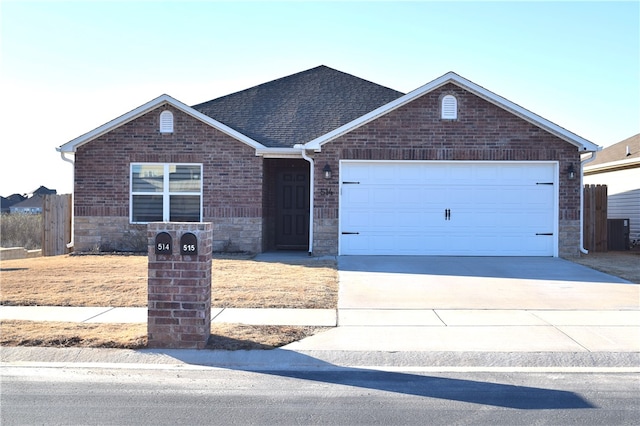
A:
[166,122]
[449,108]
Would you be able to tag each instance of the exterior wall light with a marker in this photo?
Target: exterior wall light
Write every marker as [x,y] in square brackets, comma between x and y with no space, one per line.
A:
[571,172]
[326,170]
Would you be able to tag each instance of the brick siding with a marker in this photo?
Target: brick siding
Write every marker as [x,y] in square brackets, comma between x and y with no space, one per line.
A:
[232,181]
[415,131]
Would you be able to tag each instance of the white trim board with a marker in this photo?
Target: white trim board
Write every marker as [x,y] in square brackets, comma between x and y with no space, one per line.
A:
[72,145]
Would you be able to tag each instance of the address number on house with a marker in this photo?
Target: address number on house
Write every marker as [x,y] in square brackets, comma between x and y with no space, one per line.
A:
[163,243]
[188,244]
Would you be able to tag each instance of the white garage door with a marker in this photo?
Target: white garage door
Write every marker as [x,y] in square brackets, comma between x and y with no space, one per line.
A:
[448,208]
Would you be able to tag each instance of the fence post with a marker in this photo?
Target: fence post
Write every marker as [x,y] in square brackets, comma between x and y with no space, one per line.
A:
[595,218]
[56,224]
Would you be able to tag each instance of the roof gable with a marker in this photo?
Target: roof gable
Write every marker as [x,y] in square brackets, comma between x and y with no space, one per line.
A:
[72,145]
[33,202]
[582,144]
[43,190]
[298,108]
[15,198]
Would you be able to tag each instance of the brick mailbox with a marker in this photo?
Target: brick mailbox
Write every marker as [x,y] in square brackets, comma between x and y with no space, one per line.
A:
[179,284]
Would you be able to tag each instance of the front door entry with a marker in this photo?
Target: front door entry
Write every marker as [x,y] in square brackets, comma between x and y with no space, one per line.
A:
[292,213]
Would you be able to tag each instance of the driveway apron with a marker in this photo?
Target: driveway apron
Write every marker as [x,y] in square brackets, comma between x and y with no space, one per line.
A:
[479,304]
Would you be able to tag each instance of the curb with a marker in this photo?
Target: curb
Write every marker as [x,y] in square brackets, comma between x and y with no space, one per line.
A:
[284,360]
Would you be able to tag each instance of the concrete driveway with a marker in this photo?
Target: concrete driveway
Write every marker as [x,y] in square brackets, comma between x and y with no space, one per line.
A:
[479,304]
[438,282]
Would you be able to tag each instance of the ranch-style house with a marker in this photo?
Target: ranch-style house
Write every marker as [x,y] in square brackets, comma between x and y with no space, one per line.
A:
[329,163]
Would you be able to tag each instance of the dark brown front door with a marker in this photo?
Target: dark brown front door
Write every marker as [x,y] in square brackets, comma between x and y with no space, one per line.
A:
[292,213]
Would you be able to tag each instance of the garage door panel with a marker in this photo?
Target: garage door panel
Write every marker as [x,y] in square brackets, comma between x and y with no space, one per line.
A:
[409,195]
[448,208]
[354,195]
[383,194]
[539,197]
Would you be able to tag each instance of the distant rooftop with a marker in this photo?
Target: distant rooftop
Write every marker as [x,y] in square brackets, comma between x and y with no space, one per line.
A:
[618,151]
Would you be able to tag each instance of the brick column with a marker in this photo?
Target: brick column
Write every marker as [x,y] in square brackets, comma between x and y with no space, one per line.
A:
[179,287]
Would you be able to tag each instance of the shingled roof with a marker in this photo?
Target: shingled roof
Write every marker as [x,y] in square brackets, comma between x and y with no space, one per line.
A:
[618,151]
[298,108]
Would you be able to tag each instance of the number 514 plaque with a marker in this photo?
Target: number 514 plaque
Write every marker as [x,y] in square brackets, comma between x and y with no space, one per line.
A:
[163,243]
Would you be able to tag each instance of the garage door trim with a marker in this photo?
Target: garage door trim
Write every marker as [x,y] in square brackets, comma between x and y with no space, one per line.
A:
[544,234]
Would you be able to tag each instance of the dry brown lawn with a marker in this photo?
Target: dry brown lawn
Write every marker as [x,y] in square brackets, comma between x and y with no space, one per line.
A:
[121,281]
[623,264]
[75,281]
[65,334]
[116,280]
[134,336]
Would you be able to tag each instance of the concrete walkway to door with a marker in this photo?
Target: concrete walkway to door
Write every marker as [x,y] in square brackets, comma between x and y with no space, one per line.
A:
[491,304]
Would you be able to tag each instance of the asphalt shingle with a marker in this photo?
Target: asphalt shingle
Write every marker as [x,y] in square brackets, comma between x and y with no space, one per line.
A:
[298,108]
[618,151]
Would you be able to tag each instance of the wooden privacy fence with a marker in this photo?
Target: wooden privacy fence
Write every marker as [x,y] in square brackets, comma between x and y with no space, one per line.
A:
[595,218]
[56,224]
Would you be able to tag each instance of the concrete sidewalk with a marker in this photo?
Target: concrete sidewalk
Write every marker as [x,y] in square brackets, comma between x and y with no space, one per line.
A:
[449,330]
[480,331]
[95,315]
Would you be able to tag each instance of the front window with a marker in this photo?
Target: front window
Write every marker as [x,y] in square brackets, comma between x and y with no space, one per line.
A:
[166,192]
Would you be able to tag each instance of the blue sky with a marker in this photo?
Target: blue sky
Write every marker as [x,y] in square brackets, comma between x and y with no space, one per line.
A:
[68,67]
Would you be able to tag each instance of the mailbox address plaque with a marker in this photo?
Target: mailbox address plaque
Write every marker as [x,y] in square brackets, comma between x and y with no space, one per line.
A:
[163,243]
[188,244]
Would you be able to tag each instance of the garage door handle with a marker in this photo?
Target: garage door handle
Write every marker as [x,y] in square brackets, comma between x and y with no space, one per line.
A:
[544,233]
[350,233]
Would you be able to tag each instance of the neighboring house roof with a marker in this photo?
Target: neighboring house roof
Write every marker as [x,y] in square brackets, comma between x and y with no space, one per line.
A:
[30,203]
[298,108]
[43,190]
[582,144]
[621,155]
[72,145]
[12,199]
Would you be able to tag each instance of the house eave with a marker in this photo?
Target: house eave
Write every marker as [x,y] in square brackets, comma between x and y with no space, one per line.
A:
[278,153]
[72,146]
[581,144]
[612,166]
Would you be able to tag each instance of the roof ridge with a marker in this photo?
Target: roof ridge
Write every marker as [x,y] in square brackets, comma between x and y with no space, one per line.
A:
[292,76]
[258,85]
[299,107]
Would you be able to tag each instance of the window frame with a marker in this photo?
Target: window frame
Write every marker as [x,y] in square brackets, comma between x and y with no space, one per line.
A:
[166,193]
